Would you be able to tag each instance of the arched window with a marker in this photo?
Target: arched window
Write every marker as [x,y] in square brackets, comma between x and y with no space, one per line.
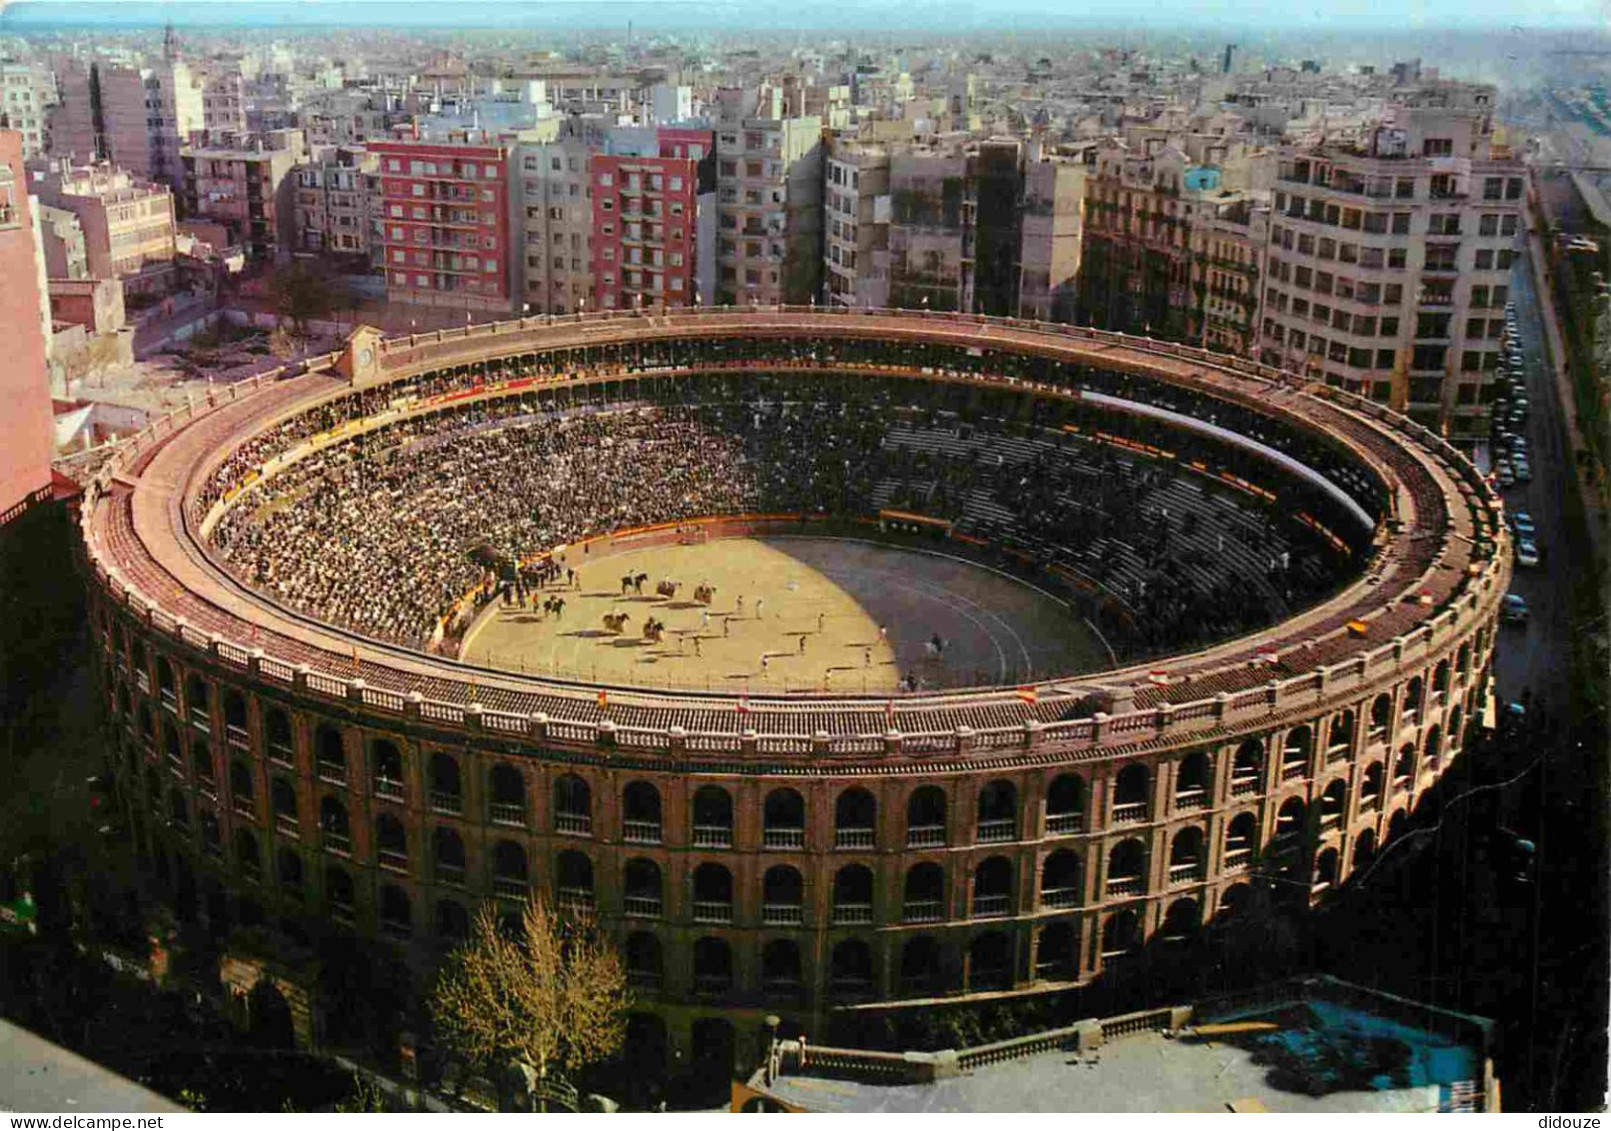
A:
[509,874]
[1342,735]
[289,866]
[644,964]
[573,806]
[1412,700]
[1364,849]
[925,817]
[197,701]
[1462,660]
[1127,868]
[396,912]
[713,894]
[447,793]
[1326,869]
[333,827]
[278,726]
[640,813]
[782,897]
[1333,805]
[1181,920]
[1381,709]
[1186,856]
[1121,933]
[147,728]
[508,803]
[178,810]
[1062,880]
[1131,791]
[247,856]
[235,715]
[852,896]
[1065,805]
[210,843]
[1234,903]
[992,888]
[282,798]
[387,765]
[1057,952]
[1295,753]
[447,848]
[713,966]
[1370,787]
[780,967]
[1404,766]
[574,876]
[241,787]
[1241,841]
[201,761]
[452,922]
[165,683]
[855,817]
[170,744]
[641,888]
[1434,743]
[1289,820]
[1247,767]
[331,753]
[998,813]
[1454,730]
[990,962]
[1192,781]
[920,966]
[784,815]
[391,842]
[339,894]
[850,969]
[713,817]
[1440,678]
[923,898]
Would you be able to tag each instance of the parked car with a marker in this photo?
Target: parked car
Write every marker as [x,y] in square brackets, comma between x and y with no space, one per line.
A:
[1526,553]
[1522,471]
[1504,473]
[1513,609]
[1522,523]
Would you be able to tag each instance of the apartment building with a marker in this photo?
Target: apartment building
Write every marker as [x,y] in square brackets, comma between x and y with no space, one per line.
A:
[769,208]
[646,230]
[1052,236]
[73,132]
[223,103]
[1389,263]
[24,381]
[445,223]
[127,223]
[247,187]
[26,94]
[555,215]
[333,214]
[175,109]
[856,215]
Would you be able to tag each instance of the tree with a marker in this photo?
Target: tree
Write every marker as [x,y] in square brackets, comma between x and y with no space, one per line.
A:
[555,998]
[301,295]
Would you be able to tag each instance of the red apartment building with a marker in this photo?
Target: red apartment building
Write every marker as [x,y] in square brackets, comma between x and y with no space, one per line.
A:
[444,225]
[646,211]
[26,438]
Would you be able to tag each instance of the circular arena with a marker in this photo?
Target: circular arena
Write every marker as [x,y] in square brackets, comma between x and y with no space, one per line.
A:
[831,661]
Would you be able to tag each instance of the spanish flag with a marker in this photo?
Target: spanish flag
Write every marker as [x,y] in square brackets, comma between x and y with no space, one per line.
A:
[604,699]
[1028,694]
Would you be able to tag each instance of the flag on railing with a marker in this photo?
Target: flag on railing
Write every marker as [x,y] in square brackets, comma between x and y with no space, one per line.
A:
[889,712]
[1161,678]
[604,699]
[1028,694]
[743,704]
[1269,657]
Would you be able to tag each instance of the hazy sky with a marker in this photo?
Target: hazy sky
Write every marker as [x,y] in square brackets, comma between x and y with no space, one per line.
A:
[933,15]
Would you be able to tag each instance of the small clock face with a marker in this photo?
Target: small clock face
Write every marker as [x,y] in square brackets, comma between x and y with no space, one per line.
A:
[365,356]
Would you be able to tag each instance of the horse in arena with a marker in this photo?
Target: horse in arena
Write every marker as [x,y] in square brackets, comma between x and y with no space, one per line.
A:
[654,630]
[704,593]
[615,622]
[668,588]
[555,605]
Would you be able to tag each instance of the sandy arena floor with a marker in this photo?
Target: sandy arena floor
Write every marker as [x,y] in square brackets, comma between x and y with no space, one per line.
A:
[792,614]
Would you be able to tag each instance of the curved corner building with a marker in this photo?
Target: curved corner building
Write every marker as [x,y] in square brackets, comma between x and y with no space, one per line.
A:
[793,854]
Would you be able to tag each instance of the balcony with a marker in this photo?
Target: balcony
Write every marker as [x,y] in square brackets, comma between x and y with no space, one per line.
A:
[574,900]
[1238,858]
[286,825]
[713,911]
[343,913]
[332,773]
[392,861]
[510,887]
[783,838]
[640,832]
[1185,873]
[994,832]
[1129,811]
[1244,784]
[641,906]
[235,736]
[1060,897]
[340,844]
[1124,885]
[390,789]
[852,914]
[281,756]
[443,801]
[782,914]
[573,824]
[713,836]
[244,807]
[859,838]
[1064,824]
[200,719]
[507,813]
[925,836]
[1291,771]
[450,873]
[1194,798]
[991,906]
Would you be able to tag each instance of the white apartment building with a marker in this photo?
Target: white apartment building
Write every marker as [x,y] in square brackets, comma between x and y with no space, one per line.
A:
[551,198]
[856,212]
[769,209]
[26,93]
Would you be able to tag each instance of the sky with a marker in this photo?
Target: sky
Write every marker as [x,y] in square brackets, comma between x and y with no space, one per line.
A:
[931,15]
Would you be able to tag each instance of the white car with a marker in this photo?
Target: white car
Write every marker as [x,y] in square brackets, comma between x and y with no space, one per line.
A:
[1526,553]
